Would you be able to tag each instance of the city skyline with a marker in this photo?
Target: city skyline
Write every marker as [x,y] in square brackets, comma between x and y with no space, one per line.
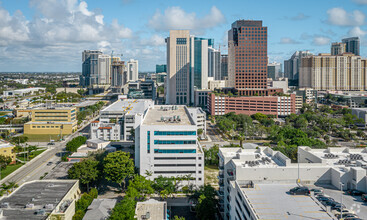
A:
[35,34]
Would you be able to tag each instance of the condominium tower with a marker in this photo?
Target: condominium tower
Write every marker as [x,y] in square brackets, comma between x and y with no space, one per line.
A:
[132,70]
[90,67]
[352,45]
[345,72]
[291,66]
[337,48]
[214,60]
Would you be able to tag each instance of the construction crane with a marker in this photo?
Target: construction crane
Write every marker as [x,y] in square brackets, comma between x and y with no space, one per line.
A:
[119,55]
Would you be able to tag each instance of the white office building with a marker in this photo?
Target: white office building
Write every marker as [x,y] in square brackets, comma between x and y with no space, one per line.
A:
[199,116]
[132,70]
[127,113]
[104,69]
[247,175]
[166,145]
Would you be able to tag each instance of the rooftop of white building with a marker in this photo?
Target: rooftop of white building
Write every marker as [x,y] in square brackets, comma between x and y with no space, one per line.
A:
[129,106]
[272,201]
[168,115]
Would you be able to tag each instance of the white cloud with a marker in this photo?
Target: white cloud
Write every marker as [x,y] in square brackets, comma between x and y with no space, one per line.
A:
[320,41]
[357,32]
[287,40]
[299,17]
[83,8]
[361,2]
[340,17]
[176,18]
[99,19]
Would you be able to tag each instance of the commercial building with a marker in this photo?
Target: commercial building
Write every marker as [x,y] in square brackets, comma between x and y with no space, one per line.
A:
[292,66]
[308,95]
[41,199]
[216,84]
[214,60]
[337,48]
[127,113]
[100,209]
[161,68]
[132,70]
[274,70]
[92,145]
[52,120]
[224,66]
[245,174]
[118,76]
[104,70]
[199,116]
[345,72]
[24,92]
[200,61]
[201,98]
[299,102]
[247,54]
[90,67]
[269,105]
[352,45]
[7,150]
[280,83]
[166,145]
[151,209]
[142,90]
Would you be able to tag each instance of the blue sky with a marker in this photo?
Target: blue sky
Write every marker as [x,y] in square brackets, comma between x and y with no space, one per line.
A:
[50,35]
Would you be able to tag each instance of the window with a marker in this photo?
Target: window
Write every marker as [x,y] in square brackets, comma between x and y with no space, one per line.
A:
[181,41]
[174,142]
[174,133]
[199,179]
[148,142]
[178,151]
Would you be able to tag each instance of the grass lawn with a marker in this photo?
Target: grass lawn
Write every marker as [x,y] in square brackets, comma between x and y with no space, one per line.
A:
[32,155]
[211,175]
[9,169]
[42,137]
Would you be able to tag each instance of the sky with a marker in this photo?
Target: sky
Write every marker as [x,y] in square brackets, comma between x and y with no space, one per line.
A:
[50,35]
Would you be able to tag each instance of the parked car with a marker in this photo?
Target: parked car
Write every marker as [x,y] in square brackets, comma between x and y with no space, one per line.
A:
[337,205]
[49,163]
[352,218]
[354,192]
[329,202]
[347,215]
[299,191]
[336,212]
[317,192]
[323,198]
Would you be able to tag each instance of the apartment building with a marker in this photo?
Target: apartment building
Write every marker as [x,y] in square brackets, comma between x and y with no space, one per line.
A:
[166,145]
[245,174]
[52,120]
[346,72]
[199,116]
[269,105]
[105,131]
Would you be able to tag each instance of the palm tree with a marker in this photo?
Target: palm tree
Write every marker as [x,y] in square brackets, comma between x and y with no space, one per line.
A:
[241,138]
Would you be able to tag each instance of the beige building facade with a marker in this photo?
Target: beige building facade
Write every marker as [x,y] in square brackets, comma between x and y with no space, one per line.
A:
[345,72]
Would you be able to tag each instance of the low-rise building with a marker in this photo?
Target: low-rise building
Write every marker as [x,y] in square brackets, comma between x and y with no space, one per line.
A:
[142,90]
[201,98]
[92,145]
[360,113]
[41,199]
[100,209]
[249,105]
[7,150]
[246,173]
[52,120]
[24,92]
[166,145]
[280,83]
[105,131]
[151,209]
[199,117]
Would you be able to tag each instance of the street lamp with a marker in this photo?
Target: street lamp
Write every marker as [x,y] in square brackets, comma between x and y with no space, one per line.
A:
[298,179]
[341,201]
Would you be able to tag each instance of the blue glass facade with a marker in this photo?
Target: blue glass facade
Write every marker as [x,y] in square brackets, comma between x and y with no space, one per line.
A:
[148,142]
[174,151]
[174,133]
[174,142]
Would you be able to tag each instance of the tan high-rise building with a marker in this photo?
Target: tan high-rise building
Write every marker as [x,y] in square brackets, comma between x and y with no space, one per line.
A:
[345,72]
[337,48]
[178,90]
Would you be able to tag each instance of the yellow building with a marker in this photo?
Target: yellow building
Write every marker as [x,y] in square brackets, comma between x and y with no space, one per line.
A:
[7,149]
[52,121]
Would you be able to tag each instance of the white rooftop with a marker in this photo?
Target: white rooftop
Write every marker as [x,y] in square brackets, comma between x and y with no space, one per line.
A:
[168,115]
[129,106]
[271,201]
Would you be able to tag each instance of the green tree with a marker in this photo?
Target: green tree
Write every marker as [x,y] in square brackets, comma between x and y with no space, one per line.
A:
[86,171]
[142,186]
[164,186]
[178,218]
[4,161]
[205,202]
[75,143]
[118,166]
[211,155]
[124,210]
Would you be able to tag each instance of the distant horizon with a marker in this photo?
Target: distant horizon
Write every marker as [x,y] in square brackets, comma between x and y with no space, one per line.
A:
[44,36]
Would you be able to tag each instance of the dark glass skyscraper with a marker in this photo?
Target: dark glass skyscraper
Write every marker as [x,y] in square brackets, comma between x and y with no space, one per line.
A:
[352,45]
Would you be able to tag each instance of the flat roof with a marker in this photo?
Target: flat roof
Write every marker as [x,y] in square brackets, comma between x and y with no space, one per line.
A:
[128,106]
[100,209]
[86,103]
[39,193]
[271,201]
[169,114]
[5,144]
[155,208]
[25,90]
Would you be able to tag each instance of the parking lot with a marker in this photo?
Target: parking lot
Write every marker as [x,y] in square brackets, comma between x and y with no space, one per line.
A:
[353,203]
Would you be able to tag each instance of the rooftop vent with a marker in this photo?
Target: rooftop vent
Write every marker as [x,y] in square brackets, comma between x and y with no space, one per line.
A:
[40,212]
[356,157]
[29,206]
[49,206]
[4,205]
[331,156]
